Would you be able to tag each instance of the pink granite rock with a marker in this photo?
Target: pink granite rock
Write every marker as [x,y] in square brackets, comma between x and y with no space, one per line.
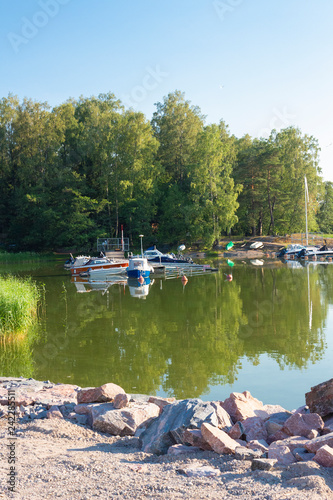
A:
[102,394]
[123,422]
[313,445]
[120,401]
[54,395]
[277,436]
[54,412]
[282,454]
[194,438]
[272,427]
[161,402]
[223,418]
[254,428]
[320,398]
[218,439]
[324,456]
[268,411]
[241,405]
[236,431]
[293,442]
[307,425]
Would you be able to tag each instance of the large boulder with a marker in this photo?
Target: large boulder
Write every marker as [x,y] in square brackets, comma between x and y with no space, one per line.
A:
[241,405]
[102,394]
[218,439]
[254,428]
[307,425]
[320,398]
[122,422]
[175,418]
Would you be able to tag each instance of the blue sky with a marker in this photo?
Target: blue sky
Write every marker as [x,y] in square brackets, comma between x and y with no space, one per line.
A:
[256,64]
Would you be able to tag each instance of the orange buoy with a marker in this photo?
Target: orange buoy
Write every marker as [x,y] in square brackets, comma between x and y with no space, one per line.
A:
[229,277]
[184,279]
[141,279]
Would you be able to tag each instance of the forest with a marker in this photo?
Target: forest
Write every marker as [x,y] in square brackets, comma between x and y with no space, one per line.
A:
[78,171]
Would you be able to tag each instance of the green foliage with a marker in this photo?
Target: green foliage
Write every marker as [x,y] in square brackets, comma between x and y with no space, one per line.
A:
[325,214]
[272,173]
[86,167]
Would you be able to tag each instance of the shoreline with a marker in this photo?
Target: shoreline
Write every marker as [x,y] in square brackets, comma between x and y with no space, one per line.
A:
[65,448]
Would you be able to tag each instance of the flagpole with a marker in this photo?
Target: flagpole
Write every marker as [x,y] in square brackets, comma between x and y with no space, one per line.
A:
[306,194]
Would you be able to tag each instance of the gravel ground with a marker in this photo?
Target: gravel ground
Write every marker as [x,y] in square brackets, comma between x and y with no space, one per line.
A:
[60,459]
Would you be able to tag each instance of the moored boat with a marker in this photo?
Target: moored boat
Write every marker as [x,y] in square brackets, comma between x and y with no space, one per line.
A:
[162,258]
[99,263]
[139,266]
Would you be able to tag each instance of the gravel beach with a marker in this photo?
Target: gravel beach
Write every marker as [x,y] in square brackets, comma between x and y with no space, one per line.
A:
[61,459]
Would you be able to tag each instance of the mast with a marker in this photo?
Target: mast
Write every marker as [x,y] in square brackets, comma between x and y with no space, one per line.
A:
[306,195]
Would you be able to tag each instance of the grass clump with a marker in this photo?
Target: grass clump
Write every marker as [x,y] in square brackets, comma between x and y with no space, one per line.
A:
[7,257]
[18,305]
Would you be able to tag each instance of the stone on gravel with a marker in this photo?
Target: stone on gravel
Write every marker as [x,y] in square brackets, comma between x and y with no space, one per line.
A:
[175,418]
[181,449]
[54,412]
[199,471]
[219,440]
[281,453]
[263,464]
[242,453]
[324,456]
[320,398]
[102,394]
[123,422]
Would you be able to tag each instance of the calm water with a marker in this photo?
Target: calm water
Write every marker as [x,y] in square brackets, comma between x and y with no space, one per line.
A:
[268,331]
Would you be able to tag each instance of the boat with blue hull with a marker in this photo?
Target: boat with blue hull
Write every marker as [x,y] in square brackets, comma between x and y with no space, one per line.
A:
[139,266]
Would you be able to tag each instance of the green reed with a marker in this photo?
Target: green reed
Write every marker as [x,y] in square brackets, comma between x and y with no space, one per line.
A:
[7,257]
[18,304]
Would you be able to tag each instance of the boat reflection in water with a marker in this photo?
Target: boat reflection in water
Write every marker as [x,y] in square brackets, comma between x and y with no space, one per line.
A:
[88,285]
[139,288]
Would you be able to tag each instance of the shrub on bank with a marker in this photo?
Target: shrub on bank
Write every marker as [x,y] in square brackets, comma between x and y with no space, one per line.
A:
[18,304]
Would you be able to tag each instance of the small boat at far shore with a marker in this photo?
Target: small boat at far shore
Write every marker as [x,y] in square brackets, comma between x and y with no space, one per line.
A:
[113,266]
[139,266]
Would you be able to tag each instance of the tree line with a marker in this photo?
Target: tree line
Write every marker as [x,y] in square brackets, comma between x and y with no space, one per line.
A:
[82,169]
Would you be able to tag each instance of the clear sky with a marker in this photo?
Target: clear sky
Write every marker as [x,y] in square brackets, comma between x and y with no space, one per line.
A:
[256,64]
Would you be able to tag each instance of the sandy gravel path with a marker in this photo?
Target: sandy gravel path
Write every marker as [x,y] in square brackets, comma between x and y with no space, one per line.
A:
[61,459]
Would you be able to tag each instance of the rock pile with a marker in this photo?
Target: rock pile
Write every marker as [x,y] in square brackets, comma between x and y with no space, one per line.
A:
[241,426]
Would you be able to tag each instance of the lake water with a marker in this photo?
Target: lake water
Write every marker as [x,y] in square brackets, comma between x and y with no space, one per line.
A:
[269,331]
